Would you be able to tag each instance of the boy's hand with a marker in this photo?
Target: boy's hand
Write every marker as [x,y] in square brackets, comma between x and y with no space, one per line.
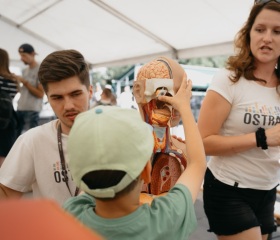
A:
[182,97]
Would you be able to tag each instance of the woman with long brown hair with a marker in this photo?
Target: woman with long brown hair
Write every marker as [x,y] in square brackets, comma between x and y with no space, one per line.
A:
[9,85]
[239,124]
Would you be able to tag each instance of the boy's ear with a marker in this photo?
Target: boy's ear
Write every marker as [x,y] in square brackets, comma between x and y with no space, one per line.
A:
[146,173]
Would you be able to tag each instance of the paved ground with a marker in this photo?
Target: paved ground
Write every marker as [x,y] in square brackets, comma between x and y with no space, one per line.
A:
[201,231]
[202,223]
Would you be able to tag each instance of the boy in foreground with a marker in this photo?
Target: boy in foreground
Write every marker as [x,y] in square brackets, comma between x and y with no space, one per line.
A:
[109,153]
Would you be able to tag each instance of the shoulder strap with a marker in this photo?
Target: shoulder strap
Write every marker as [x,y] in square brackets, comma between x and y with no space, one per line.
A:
[62,160]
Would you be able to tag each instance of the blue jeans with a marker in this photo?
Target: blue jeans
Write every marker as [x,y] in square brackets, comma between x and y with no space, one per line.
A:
[27,120]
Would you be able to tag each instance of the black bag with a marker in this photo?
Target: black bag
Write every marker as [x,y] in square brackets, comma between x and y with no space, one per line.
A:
[6,109]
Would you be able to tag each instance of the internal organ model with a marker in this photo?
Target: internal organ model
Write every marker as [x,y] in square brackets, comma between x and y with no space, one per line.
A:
[162,76]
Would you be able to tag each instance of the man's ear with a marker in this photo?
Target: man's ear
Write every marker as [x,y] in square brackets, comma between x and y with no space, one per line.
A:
[146,173]
[90,90]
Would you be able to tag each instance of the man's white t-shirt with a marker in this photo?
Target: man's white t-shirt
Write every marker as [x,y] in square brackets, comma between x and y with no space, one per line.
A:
[34,162]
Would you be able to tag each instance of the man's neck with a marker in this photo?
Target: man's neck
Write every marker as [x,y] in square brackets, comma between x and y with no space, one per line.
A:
[33,64]
[64,129]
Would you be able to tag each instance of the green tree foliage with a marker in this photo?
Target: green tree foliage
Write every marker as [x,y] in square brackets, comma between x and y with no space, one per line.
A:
[117,72]
[111,73]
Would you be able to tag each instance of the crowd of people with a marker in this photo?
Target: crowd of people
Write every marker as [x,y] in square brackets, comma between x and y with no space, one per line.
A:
[94,159]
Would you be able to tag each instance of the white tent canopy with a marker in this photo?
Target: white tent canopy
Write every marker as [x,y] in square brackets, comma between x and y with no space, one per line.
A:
[117,32]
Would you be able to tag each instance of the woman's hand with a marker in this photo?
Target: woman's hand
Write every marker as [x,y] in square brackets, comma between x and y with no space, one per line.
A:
[273,136]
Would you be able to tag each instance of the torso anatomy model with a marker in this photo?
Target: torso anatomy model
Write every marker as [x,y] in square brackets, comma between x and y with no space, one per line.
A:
[162,76]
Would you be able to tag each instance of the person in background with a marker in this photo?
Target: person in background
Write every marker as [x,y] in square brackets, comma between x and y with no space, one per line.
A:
[97,92]
[239,124]
[107,98]
[31,91]
[38,159]
[126,98]
[10,85]
[109,158]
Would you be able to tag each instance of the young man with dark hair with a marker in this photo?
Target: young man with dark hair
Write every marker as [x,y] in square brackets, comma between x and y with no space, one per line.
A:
[38,159]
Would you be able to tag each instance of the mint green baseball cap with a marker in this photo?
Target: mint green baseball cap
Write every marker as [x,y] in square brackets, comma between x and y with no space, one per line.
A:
[109,138]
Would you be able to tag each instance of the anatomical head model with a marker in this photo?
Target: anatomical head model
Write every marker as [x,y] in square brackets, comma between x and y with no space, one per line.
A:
[162,76]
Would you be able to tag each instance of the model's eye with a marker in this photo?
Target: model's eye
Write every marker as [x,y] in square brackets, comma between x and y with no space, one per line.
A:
[161,92]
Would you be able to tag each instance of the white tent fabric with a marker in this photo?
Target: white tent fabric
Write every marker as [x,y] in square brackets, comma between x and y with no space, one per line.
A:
[117,32]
